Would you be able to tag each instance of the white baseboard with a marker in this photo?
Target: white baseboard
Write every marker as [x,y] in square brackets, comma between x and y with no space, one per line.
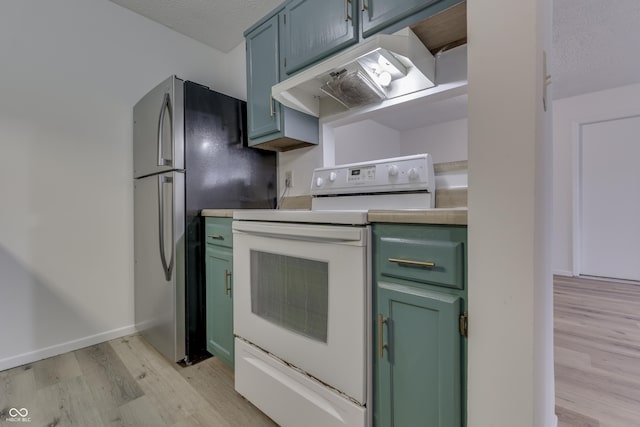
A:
[555,420]
[54,350]
[563,273]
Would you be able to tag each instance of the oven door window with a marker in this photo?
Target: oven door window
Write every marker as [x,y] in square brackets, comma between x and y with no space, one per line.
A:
[291,292]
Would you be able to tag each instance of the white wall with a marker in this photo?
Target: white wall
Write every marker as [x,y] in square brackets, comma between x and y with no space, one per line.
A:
[510,306]
[369,140]
[355,142]
[301,163]
[230,75]
[446,142]
[71,72]
[568,113]
[364,141]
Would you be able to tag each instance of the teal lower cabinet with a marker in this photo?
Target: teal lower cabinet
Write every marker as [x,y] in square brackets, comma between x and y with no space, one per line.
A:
[419,317]
[219,302]
[418,362]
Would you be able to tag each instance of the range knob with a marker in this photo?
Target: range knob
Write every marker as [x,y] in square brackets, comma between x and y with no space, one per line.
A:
[319,181]
[393,170]
[332,176]
[413,174]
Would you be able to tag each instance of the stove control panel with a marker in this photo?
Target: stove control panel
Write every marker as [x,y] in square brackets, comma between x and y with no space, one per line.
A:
[409,173]
[359,174]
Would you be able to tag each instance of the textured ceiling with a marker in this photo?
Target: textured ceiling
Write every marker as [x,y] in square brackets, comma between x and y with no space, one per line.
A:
[596,43]
[217,23]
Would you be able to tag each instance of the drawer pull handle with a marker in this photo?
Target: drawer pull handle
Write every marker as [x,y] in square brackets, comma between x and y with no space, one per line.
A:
[381,344]
[227,286]
[216,236]
[425,264]
[347,3]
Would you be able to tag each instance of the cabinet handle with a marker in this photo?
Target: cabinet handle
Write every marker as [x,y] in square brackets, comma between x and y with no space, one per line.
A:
[425,264]
[216,236]
[346,10]
[364,5]
[381,345]
[227,286]
[271,109]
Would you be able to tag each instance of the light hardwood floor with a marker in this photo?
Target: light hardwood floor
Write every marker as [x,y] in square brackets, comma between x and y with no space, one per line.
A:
[125,382]
[597,353]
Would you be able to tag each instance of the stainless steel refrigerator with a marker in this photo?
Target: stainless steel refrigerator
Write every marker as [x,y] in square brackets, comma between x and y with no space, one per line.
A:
[190,153]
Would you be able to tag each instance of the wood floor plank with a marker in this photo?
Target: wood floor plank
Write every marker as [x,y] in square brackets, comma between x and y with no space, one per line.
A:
[221,394]
[55,369]
[111,379]
[167,390]
[597,352]
[621,390]
[208,416]
[596,338]
[17,390]
[569,418]
[14,371]
[569,357]
[140,412]
[590,405]
[66,403]
[620,364]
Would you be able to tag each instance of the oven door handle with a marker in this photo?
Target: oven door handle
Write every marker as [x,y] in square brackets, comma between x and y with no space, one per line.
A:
[305,232]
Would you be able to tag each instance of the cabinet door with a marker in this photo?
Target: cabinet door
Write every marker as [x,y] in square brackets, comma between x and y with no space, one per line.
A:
[314,29]
[417,376]
[219,283]
[263,71]
[378,14]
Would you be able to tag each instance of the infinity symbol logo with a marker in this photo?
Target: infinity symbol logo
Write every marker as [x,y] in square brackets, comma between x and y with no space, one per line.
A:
[23,412]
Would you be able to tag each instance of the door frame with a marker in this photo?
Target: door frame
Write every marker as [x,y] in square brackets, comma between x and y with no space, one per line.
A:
[576,137]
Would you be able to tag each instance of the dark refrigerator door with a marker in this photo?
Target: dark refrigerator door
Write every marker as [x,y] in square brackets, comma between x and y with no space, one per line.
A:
[221,172]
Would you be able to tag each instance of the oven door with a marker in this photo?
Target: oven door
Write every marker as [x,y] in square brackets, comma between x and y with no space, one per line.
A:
[300,293]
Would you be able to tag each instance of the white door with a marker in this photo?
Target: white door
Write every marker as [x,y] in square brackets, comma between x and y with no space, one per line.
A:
[300,293]
[610,199]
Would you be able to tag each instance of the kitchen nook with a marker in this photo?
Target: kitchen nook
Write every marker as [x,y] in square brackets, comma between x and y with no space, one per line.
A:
[337,219]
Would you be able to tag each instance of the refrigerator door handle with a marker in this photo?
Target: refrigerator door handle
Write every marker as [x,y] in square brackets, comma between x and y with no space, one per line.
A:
[240,127]
[166,106]
[168,268]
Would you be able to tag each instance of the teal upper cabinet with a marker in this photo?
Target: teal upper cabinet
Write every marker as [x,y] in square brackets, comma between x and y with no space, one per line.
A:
[301,33]
[314,29]
[263,113]
[272,126]
[378,15]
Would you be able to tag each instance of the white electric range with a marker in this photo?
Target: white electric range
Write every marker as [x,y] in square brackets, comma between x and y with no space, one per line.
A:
[302,293]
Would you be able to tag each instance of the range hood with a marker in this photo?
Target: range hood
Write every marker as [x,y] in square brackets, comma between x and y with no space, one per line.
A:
[382,67]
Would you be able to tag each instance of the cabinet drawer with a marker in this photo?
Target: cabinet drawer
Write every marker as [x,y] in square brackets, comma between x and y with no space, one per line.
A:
[423,260]
[218,231]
